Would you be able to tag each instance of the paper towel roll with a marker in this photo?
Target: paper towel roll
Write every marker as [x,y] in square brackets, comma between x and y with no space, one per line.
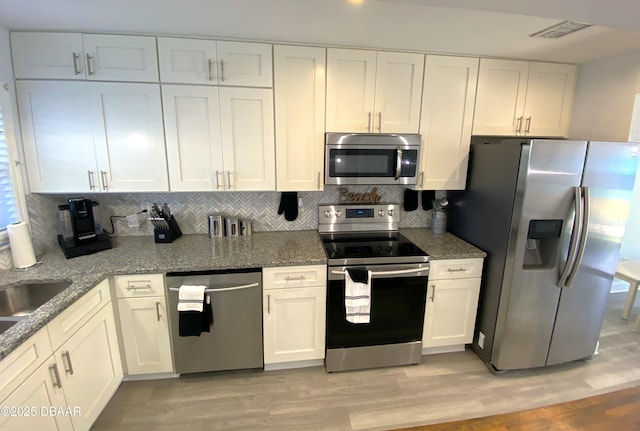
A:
[20,243]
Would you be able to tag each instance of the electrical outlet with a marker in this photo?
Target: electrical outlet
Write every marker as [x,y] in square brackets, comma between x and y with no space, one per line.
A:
[132,220]
[146,206]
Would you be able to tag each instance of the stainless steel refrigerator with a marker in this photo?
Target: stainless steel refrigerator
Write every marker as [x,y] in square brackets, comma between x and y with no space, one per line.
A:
[550,214]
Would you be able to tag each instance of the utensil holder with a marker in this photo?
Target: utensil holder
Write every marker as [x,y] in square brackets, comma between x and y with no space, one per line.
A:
[167,235]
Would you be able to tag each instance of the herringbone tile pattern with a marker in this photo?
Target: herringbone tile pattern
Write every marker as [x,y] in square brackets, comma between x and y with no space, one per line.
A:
[191,210]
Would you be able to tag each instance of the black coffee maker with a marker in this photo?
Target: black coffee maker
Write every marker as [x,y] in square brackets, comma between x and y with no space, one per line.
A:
[81,229]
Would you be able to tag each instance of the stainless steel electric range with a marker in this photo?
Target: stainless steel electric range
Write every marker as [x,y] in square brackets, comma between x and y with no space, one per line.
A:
[367,237]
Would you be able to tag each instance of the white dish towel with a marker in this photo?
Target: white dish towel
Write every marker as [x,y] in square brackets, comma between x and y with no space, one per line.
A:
[191,298]
[357,299]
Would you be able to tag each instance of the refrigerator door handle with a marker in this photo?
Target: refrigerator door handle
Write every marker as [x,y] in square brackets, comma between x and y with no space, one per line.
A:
[583,236]
[575,238]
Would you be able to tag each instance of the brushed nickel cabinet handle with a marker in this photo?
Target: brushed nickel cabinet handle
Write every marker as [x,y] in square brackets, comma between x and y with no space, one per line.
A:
[217,180]
[222,70]
[158,311]
[456,270]
[229,179]
[268,304]
[519,125]
[289,278]
[318,180]
[421,179]
[103,176]
[433,292]
[67,355]
[56,376]
[76,70]
[369,122]
[92,181]
[89,71]
[210,67]
[527,128]
[380,122]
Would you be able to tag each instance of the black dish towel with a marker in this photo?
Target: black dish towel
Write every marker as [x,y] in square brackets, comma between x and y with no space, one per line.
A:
[427,199]
[289,205]
[193,323]
[410,200]
[359,274]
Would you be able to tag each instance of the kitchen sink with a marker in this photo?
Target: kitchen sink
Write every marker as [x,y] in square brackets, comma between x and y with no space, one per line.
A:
[21,300]
[6,324]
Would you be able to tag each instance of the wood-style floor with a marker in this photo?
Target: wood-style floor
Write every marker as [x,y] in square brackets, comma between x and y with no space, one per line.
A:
[619,410]
[443,388]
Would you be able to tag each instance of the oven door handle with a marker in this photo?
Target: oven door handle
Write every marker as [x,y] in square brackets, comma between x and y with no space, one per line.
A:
[383,273]
[398,162]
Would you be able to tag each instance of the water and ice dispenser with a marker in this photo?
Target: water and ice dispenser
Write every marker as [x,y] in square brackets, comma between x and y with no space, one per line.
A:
[543,244]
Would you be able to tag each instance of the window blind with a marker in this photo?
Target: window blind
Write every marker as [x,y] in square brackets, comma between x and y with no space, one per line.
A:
[8,207]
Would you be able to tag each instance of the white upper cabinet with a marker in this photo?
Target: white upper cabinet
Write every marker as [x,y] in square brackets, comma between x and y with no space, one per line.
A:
[219,138]
[299,91]
[373,92]
[92,137]
[248,148]
[549,103]
[446,120]
[84,56]
[210,62]
[523,98]
[194,142]
[57,160]
[128,136]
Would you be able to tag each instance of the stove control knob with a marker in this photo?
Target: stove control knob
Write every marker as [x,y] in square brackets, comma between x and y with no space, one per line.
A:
[381,213]
[327,214]
[338,214]
[390,212]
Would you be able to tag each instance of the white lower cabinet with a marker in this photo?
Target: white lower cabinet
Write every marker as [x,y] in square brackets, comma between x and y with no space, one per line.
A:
[294,310]
[90,368]
[68,371]
[452,302]
[144,323]
[35,396]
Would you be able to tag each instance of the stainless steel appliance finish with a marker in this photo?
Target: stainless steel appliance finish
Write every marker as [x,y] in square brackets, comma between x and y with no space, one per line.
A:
[551,219]
[216,225]
[356,158]
[364,236]
[235,340]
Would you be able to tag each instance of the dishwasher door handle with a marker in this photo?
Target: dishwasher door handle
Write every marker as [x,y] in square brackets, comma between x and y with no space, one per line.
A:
[224,289]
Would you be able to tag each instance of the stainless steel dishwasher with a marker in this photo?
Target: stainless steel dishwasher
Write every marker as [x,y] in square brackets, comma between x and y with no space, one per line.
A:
[235,340]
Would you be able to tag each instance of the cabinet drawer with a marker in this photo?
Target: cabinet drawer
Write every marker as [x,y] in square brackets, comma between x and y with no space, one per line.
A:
[294,276]
[79,313]
[20,363]
[135,286]
[455,268]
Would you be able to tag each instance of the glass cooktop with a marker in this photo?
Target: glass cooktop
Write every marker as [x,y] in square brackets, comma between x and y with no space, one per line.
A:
[370,248]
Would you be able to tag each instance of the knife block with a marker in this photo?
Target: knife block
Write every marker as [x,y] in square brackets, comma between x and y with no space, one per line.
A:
[167,235]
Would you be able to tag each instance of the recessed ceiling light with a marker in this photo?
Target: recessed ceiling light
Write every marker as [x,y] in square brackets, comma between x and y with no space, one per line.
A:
[356,1]
[559,30]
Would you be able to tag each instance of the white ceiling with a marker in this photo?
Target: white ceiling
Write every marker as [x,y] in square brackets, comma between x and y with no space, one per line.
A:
[494,28]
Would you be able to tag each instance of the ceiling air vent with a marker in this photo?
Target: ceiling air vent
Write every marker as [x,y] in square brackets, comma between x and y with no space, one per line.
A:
[559,30]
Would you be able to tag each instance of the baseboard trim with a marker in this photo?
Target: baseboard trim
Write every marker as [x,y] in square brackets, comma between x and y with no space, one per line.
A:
[152,376]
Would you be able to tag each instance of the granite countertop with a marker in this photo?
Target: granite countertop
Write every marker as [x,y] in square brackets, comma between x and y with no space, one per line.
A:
[140,255]
[441,246]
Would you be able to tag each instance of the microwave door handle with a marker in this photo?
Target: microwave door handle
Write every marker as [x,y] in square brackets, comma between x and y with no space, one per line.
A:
[398,162]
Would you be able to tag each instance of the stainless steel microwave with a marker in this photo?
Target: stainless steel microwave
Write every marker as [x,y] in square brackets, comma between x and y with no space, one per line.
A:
[380,158]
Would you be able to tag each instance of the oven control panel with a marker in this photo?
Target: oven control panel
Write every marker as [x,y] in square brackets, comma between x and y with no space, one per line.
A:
[351,218]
